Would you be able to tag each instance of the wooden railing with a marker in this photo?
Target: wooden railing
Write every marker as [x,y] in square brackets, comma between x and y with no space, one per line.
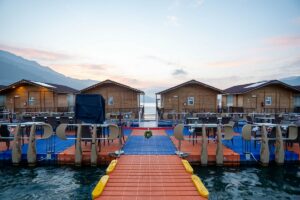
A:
[133,110]
[188,110]
[45,109]
[258,110]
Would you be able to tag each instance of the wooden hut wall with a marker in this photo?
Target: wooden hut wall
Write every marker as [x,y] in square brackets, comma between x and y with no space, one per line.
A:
[205,99]
[32,98]
[255,101]
[281,99]
[124,99]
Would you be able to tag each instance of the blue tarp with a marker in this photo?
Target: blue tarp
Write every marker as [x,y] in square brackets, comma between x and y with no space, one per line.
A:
[90,108]
[156,145]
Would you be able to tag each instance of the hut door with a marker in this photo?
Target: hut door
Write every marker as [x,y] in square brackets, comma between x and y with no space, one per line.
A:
[175,104]
[17,103]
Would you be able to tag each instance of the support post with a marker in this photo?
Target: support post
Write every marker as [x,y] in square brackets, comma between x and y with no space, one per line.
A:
[264,147]
[94,154]
[279,150]
[219,152]
[31,152]
[78,150]
[204,147]
[16,150]
[179,145]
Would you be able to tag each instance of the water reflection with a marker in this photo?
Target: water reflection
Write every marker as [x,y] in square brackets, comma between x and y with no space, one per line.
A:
[48,182]
[77,183]
[273,182]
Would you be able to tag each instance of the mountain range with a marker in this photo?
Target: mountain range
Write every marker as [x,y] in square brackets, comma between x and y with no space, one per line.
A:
[14,68]
[292,80]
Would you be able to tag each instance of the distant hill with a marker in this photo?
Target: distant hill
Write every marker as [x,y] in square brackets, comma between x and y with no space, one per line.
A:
[293,80]
[149,99]
[14,68]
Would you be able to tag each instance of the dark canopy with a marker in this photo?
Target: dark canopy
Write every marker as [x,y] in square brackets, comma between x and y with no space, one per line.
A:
[90,108]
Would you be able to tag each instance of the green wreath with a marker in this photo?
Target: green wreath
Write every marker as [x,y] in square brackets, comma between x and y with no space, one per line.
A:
[148,134]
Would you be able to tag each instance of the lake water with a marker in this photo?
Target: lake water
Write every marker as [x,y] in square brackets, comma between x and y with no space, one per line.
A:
[65,182]
[150,111]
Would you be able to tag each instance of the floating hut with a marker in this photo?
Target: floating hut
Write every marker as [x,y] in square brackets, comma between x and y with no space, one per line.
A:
[265,96]
[2,98]
[119,98]
[191,96]
[297,99]
[34,96]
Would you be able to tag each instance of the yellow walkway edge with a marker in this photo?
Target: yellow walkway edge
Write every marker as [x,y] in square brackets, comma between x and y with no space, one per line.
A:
[196,180]
[100,187]
[111,166]
[154,176]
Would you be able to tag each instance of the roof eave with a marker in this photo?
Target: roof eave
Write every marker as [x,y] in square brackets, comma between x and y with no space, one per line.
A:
[190,82]
[112,82]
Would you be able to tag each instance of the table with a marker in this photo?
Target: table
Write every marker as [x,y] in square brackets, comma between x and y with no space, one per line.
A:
[264,119]
[194,126]
[191,120]
[256,128]
[200,125]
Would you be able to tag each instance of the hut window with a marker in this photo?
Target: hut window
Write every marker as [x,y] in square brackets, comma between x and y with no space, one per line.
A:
[190,101]
[31,101]
[297,101]
[70,99]
[229,100]
[110,101]
[268,101]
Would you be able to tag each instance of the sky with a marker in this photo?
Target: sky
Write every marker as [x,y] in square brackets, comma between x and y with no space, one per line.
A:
[153,45]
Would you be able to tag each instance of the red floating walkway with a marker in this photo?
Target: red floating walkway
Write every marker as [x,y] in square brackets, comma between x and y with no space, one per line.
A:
[230,157]
[150,177]
[68,156]
[139,132]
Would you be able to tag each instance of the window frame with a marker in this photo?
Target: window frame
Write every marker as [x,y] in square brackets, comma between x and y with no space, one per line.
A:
[31,101]
[110,101]
[189,100]
[229,103]
[268,101]
[296,101]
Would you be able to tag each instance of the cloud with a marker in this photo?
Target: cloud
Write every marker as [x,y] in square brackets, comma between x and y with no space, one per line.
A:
[238,62]
[179,4]
[86,67]
[179,72]
[161,60]
[228,63]
[96,67]
[284,41]
[290,68]
[199,3]
[37,54]
[172,20]
[164,61]
[228,81]
[296,21]
[132,82]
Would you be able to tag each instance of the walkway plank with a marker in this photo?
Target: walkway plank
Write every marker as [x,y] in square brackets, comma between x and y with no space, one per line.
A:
[150,177]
